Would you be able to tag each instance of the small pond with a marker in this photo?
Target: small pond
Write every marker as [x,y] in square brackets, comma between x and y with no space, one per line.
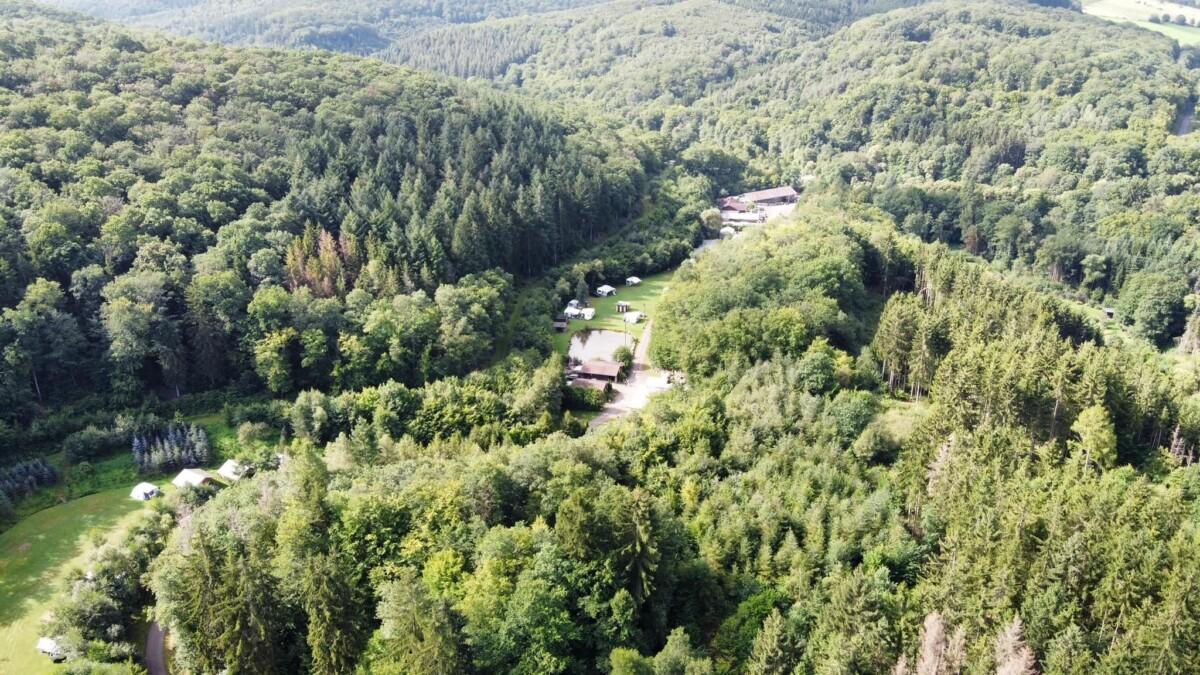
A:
[589,345]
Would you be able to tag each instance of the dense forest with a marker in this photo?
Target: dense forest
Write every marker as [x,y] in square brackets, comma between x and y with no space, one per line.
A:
[180,216]
[902,436]
[774,516]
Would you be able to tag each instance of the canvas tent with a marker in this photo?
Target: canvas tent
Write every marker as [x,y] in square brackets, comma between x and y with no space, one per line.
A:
[588,313]
[50,647]
[606,290]
[632,281]
[193,477]
[633,317]
[232,471]
[144,492]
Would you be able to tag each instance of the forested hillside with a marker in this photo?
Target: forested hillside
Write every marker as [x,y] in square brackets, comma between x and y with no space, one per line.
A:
[355,27]
[766,518]
[178,216]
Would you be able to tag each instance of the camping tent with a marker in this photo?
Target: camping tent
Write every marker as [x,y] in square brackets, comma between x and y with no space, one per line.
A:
[606,290]
[632,281]
[232,471]
[193,477]
[51,648]
[588,313]
[633,317]
[144,492]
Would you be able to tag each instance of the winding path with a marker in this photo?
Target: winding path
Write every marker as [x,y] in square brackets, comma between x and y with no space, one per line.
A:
[156,659]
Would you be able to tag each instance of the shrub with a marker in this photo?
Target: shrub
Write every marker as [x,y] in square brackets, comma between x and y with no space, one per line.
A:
[91,443]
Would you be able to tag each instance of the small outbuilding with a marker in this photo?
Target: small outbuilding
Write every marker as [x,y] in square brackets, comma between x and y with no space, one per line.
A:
[622,306]
[632,281]
[144,492]
[605,291]
[51,648]
[194,478]
[600,370]
[1109,312]
[233,471]
[633,317]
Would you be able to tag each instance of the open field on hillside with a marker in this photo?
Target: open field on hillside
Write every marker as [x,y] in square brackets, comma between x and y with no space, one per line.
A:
[1140,11]
[35,554]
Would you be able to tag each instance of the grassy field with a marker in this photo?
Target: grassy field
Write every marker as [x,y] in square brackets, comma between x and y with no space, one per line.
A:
[58,527]
[1139,11]
[641,298]
[35,554]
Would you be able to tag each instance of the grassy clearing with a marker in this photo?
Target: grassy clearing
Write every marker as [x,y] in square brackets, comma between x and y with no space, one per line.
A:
[899,418]
[35,555]
[59,525]
[644,298]
[1138,12]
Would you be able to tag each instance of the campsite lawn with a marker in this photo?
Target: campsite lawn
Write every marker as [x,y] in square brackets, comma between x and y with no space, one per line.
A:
[35,554]
[642,298]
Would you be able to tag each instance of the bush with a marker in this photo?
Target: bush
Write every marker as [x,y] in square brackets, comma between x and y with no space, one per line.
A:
[92,443]
[253,432]
[585,398]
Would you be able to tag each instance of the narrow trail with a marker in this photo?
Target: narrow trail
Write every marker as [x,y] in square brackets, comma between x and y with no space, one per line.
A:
[156,659]
[1183,126]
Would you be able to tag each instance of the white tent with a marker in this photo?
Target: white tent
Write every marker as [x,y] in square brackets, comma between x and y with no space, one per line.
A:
[633,317]
[193,477]
[606,290]
[573,312]
[632,281]
[588,313]
[232,471]
[50,647]
[144,492]
[573,304]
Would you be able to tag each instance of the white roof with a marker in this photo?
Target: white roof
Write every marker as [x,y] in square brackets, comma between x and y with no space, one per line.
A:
[633,317]
[144,490]
[49,646]
[572,311]
[192,477]
[588,313]
[633,280]
[605,289]
[231,470]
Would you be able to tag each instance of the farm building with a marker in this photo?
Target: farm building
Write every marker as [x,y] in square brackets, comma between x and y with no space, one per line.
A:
[193,477]
[605,290]
[144,492]
[232,471]
[606,371]
[632,281]
[779,195]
